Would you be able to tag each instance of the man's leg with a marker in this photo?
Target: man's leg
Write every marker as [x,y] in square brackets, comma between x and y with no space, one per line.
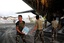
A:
[36,36]
[17,38]
[52,35]
[42,36]
[55,36]
[23,39]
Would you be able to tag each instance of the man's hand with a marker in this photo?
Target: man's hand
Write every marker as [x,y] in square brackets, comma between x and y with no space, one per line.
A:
[33,29]
[31,32]
[22,33]
[17,28]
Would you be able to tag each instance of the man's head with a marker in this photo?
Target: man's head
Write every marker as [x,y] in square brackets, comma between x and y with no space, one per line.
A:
[20,17]
[54,18]
[37,17]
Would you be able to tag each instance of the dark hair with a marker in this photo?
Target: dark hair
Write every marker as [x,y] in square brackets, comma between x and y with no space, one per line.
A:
[19,15]
[54,18]
[37,16]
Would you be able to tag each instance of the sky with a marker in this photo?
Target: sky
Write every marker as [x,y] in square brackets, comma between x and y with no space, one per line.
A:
[11,7]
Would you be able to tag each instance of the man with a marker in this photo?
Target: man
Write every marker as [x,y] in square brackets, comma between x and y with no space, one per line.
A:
[19,27]
[39,30]
[54,30]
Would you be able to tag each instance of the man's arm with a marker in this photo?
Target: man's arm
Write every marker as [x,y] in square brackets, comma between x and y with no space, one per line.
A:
[34,28]
[18,30]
